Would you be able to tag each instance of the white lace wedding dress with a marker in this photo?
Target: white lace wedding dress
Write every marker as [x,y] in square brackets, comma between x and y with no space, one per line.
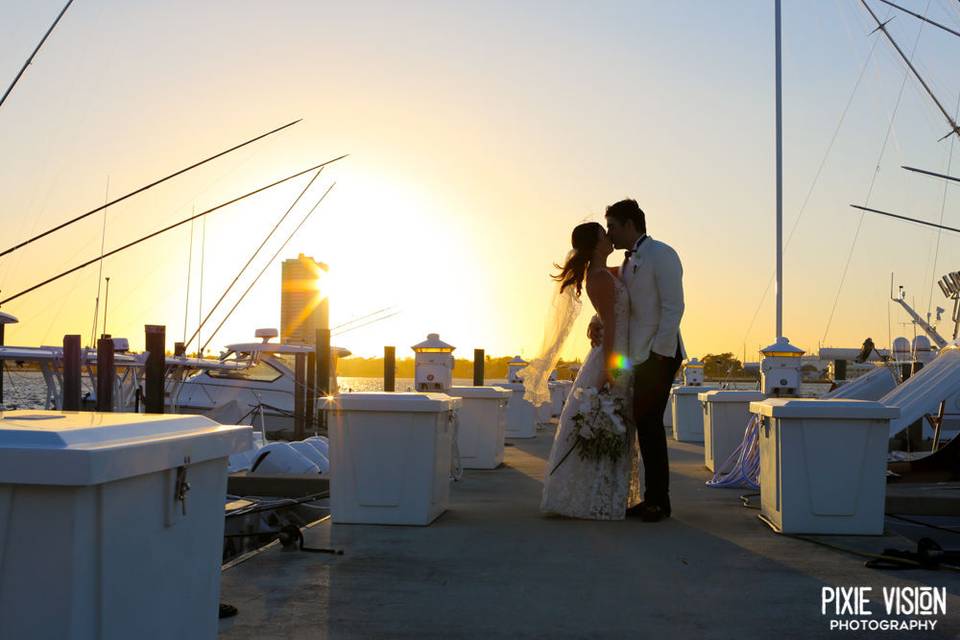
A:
[595,490]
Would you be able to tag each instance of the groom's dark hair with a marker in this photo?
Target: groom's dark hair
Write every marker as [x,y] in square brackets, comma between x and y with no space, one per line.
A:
[628,210]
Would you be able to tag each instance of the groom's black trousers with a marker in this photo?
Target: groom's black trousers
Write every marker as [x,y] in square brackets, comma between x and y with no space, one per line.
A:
[651,389]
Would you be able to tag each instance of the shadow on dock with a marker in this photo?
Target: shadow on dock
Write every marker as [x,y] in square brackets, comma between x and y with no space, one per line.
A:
[494,567]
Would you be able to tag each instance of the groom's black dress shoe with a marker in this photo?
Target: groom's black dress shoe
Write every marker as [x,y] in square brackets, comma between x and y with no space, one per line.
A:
[648,512]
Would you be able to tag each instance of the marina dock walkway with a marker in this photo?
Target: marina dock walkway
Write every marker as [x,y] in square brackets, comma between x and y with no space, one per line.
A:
[494,567]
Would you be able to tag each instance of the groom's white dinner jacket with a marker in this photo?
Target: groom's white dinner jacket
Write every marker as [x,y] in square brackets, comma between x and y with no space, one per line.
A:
[654,279]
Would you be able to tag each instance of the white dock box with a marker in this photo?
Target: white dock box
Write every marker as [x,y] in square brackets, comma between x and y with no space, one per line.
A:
[390,457]
[521,415]
[687,413]
[823,465]
[725,418]
[559,390]
[100,534]
[482,425]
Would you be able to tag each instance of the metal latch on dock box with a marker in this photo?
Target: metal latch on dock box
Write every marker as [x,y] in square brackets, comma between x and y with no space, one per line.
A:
[178,487]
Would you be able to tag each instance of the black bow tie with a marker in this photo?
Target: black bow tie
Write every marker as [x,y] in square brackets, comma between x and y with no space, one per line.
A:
[636,247]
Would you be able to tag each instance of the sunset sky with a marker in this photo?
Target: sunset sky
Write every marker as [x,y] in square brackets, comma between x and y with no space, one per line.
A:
[479,135]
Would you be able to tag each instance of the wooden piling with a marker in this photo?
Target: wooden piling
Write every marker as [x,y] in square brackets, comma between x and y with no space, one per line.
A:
[311,413]
[478,367]
[105,374]
[300,361]
[71,373]
[389,368]
[839,370]
[156,369]
[324,371]
[179,349]
[906,370]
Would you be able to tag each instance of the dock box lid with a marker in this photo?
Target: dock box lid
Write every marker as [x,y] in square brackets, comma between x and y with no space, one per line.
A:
[692,390]
[731,395]
[489,392]
[815,408]
[89,448]
[398,402]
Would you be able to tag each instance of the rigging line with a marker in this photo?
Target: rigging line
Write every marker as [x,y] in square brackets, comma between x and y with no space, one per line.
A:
[269,262]
[30,59]
[920,17]
[363,317]
[103,238]
[882,27]
[186,299]
[252,257]
[907,219]
[943,209]
[816,178]
[164,230]
[141,190]
[369,322]
[873,181]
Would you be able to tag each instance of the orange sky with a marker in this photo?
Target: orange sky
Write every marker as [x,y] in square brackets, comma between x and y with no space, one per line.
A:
[479,136]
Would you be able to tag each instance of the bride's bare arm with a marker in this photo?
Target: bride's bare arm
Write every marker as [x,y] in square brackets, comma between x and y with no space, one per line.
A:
[601,291]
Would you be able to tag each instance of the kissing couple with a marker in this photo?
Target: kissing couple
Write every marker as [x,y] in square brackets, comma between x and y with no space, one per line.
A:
[613,415]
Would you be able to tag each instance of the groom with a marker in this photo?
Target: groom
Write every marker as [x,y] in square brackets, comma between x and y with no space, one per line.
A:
[653,276]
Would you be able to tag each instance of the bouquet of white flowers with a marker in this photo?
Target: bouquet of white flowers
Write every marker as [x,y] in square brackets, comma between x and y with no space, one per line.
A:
[599,428]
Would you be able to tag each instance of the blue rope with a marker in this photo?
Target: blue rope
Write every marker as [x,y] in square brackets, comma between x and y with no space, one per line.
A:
[742,468]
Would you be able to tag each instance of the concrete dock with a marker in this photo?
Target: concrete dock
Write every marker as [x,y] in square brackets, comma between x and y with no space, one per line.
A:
[494,567]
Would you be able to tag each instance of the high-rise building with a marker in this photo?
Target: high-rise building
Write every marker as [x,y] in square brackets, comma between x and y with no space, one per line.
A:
[304,306]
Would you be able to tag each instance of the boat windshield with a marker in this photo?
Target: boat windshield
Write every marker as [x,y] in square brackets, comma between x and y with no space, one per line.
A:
[259,372]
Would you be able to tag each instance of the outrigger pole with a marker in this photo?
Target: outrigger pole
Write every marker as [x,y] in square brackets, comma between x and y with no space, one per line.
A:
[882,27]
[142,189]
[30,59]
[266,266]
[165,229]
[907,219]
[921,17]
[186,343]
[931,173]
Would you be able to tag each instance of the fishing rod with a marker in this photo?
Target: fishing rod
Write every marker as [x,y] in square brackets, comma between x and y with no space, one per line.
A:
[269,262]
[914,220]
[164,230]
[186,343]
[30,59]
[921,17]
[931,173]
[882,27]
[142,189]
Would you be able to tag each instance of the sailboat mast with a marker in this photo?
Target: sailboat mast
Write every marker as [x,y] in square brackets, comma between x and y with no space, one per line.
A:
[779,170]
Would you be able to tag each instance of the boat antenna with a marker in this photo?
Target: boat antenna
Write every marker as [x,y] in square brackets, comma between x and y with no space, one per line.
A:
[906,218]
[269,262]
[30,59]
[141,190]
[203,251]
[186,299]
[103,237]
[164,230]
[106,303]
[266,239]
[882,27]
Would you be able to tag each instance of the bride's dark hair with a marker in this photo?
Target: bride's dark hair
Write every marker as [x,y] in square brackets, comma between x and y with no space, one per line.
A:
[584,240]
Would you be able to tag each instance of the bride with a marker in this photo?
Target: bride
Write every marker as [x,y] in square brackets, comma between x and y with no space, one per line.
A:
[600,489]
